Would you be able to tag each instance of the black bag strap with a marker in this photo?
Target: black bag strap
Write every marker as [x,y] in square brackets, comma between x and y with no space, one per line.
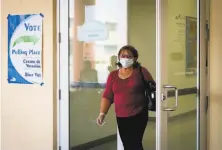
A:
[142,76]
[147,84]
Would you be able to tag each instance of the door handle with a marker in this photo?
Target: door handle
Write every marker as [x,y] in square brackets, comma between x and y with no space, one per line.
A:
[176,98]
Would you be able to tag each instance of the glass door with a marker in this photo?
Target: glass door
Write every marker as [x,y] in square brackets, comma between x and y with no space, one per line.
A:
[180,75]
[92,32]
[96,33]
[90,35]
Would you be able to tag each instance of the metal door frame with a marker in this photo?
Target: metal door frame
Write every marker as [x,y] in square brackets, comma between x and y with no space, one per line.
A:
[63,71]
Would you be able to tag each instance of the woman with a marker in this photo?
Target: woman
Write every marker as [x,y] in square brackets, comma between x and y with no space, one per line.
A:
[124,88]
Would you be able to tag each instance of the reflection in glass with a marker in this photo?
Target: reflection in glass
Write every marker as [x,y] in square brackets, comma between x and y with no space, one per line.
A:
[113,61]
[88,74]
[180,39]
[96,34]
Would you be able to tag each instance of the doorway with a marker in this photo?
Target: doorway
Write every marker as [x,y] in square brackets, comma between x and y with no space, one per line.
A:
[166,34]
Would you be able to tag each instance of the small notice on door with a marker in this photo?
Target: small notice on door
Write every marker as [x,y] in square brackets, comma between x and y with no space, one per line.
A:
[25,49]
[92,31]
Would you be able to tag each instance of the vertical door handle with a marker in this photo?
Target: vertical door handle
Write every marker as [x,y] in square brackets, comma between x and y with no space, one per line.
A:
[166,87]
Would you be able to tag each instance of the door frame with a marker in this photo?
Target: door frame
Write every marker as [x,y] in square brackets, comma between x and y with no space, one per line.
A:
[202,81]
[58,73]
[0,61]
[63,71]
[161,116]
[204,73]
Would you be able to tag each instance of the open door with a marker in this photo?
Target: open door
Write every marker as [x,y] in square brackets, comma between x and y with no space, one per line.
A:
[181,75]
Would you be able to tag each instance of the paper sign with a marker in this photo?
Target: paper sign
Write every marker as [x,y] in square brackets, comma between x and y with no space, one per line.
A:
[92,31]
[25,49]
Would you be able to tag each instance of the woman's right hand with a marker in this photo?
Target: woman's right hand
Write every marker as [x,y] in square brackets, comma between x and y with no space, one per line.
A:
[100,119]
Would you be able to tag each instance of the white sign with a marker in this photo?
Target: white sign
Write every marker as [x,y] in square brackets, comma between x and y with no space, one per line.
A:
[25,49]
[92,31]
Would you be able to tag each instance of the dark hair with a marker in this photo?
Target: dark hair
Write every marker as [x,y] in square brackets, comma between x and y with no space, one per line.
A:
[133,51]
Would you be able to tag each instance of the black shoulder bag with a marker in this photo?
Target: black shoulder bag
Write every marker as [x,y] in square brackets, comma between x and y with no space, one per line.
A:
[149,91]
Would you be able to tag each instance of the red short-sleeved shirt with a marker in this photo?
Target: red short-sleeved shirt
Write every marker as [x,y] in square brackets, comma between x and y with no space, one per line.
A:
[127,94]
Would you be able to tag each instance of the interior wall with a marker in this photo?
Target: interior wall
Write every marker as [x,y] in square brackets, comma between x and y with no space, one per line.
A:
[215,103]
[28,112]
[142,31]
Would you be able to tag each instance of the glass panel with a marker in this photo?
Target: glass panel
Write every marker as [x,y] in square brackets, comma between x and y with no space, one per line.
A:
[96,34]
[180,39]
[142,34]
[92,58]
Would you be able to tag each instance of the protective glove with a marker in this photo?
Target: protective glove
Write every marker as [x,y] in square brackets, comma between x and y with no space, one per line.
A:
[100,119]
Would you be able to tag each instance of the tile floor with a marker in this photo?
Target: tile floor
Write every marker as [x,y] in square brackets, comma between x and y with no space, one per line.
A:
[181,135]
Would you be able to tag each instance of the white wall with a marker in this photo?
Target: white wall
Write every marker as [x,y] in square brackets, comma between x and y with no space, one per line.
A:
[28,112]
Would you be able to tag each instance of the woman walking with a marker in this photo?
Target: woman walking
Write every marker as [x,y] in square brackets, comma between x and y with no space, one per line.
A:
[125,89]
